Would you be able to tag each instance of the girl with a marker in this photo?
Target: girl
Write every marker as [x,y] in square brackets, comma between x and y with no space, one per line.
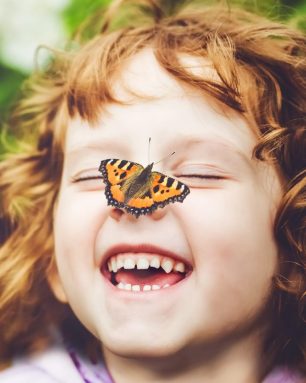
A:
[209,288]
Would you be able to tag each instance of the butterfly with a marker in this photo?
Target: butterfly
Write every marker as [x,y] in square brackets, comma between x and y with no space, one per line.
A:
[138,190]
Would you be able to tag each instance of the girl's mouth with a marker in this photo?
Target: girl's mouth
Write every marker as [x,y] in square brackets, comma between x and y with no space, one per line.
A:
[144,272]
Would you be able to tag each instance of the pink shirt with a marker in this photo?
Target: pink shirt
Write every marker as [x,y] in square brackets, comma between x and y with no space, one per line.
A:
[59,365]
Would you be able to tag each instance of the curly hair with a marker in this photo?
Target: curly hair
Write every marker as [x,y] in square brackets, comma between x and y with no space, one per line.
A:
[261,68]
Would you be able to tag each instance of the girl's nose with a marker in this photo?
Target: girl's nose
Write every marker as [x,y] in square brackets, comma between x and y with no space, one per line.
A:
[118,214]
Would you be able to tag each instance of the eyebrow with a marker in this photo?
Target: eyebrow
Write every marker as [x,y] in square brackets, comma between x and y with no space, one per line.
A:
[96,146]
[189,142]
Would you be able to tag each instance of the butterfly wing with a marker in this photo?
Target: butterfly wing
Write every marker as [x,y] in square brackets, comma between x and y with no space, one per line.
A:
[166,189]
[118,176]
[141,204]
[161,191]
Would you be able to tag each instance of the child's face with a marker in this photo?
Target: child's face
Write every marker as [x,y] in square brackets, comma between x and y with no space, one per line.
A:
[224,228]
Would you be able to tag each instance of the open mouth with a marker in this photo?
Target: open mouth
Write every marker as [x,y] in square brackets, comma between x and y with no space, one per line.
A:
[144,271]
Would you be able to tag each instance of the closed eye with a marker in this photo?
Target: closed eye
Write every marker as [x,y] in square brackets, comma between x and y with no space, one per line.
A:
[202,181]
[203,176]
[88,183]
[87,178]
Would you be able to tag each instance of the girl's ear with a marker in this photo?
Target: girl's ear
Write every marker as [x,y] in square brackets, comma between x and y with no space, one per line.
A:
[56,285]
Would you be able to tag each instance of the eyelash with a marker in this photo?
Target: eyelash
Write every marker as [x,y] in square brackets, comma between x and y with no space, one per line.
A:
[78,179]
[207,176]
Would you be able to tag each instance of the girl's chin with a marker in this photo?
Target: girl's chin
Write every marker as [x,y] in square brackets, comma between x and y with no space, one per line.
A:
[130,349]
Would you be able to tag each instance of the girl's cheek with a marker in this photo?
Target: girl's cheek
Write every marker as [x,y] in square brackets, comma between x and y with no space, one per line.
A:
[79,213]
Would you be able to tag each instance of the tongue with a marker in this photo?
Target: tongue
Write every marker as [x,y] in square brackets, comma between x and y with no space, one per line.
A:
[146,277]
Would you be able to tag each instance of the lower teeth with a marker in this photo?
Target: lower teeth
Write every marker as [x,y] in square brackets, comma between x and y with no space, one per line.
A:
[130,287]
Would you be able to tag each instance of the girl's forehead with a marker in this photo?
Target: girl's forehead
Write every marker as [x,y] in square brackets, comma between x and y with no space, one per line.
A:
[142,75]
[156,103]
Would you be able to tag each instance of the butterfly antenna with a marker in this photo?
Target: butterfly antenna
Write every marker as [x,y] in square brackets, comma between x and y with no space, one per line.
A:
[168,155]
[149,150]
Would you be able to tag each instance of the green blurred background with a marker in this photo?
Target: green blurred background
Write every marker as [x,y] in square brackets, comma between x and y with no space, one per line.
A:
[26,24]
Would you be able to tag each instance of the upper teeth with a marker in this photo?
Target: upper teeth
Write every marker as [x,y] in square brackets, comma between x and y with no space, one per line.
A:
[129,262]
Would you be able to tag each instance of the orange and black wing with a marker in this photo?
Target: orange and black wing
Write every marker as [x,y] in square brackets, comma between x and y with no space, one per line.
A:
[161,191]
[116,175]
[166,189]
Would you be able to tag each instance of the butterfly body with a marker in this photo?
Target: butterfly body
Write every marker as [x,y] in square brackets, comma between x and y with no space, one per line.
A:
[138,190]
[139,184]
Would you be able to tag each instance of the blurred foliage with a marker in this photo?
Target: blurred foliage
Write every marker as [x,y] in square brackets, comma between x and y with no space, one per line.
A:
[79,10]
[10,81]
[291,11]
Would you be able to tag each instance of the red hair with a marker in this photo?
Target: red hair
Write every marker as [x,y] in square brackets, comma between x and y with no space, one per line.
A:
[261,67]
